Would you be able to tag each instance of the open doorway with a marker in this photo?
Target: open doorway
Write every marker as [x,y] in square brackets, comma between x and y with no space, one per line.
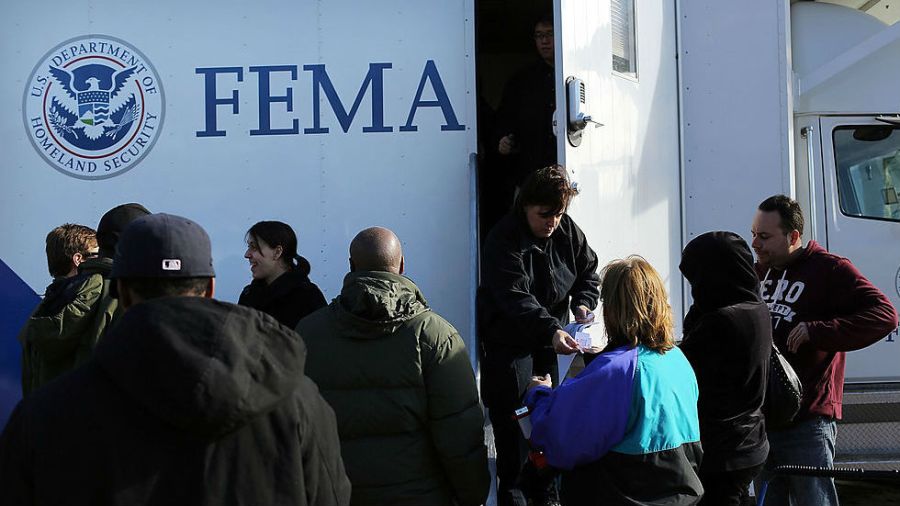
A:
[515,99]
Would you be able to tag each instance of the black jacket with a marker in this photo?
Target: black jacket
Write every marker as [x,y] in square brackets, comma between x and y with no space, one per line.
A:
[289,298]
[728,340]
[526,111]
[529,284]
[185,401]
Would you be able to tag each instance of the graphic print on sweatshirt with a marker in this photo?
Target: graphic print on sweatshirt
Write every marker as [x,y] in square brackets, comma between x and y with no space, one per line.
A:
[779,295]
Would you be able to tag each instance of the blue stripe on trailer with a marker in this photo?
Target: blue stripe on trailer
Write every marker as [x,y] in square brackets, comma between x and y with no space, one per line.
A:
[17,301]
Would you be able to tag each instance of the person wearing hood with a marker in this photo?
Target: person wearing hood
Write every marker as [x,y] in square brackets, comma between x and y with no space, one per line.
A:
[186,400]
[63,331]
[821,307]
[728,340]
[399,379]
[281,285]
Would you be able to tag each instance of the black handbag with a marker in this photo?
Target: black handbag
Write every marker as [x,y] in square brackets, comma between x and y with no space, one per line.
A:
[783,392]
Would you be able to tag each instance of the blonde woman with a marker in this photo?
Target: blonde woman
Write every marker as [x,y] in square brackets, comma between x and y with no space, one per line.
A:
[625,430]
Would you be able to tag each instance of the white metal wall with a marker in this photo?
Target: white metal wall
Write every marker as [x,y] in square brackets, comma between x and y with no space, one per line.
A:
[327,186]
[736,110]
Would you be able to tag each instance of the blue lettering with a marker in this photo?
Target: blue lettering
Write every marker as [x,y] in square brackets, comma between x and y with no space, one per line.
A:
[266,99]
[321,81]
[443,101]
[212,101]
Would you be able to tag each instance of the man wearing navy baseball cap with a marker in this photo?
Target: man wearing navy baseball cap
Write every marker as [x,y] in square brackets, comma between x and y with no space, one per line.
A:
[186,400]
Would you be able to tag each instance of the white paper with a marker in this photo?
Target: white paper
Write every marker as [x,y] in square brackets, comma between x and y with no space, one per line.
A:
[587,335]
[564,362]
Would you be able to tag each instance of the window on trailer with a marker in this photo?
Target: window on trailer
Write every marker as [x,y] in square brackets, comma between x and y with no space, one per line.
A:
[624,54]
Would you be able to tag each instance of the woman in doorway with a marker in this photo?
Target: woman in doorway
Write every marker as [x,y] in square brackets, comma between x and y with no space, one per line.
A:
[538,266]
[281,285]
[625,430]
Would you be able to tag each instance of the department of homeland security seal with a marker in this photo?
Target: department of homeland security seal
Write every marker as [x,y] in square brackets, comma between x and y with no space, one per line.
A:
[898,282]
[93,107]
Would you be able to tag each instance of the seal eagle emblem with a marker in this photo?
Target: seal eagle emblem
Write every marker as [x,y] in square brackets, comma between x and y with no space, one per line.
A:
[93,107]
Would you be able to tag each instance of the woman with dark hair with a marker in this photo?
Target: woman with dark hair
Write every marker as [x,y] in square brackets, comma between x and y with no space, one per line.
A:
[728,340]
[625,430]
[281,285]
[538,266]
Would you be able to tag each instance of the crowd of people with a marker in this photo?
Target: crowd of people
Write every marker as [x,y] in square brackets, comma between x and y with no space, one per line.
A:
[141,388]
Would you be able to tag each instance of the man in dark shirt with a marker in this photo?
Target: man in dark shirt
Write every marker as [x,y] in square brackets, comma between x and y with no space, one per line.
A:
[525,119]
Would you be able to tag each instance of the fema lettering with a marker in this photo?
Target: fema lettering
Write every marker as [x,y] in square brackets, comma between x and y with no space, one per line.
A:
[93,107]
[282,100]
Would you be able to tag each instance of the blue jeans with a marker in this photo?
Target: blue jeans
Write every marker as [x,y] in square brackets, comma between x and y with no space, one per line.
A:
[807,443]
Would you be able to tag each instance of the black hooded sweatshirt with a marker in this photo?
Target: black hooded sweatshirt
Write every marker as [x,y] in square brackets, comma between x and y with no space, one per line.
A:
[289,298]
[185,401]
[728,340]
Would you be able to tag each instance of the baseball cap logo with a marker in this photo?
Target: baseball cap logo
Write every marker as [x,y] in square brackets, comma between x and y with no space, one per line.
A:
[171,264]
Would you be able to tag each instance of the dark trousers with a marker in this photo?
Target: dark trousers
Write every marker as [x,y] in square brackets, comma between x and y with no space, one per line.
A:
[728,488]
[505,374]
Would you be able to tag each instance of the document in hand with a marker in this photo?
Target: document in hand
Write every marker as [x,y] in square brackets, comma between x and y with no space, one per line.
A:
[589,336]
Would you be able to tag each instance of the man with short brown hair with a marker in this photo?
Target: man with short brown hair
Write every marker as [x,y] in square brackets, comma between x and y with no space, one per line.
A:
[68,323]
[68,246]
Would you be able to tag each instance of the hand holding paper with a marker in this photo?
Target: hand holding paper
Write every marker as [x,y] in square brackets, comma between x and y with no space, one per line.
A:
[564,343]
[588,338]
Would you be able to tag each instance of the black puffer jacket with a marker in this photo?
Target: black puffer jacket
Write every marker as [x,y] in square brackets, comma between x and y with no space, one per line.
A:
[530,284]
[727,339]
[289,298]
[185,401]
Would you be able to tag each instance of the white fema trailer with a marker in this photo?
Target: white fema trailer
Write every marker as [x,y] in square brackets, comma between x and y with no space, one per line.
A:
[334,116]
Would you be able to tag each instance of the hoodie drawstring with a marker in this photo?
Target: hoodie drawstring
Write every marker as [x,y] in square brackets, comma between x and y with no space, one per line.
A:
[778,288]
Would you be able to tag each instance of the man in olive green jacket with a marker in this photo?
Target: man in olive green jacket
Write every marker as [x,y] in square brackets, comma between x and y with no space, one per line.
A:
[399,379]
[65,327]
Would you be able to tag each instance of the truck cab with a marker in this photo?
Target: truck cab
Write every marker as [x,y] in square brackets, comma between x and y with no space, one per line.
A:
[847,173]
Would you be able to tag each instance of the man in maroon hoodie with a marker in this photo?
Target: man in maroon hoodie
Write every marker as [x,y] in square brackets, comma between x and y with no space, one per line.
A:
[821,307]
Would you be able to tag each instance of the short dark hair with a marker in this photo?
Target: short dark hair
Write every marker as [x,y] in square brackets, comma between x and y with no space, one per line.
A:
[788,209]
[113,223]
[64,241]
[543,18]
[549,187]
[152,288]
[276,233]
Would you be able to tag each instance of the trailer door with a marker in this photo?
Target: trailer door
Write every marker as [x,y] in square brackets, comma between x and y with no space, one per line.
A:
[862,218]
[623,53]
